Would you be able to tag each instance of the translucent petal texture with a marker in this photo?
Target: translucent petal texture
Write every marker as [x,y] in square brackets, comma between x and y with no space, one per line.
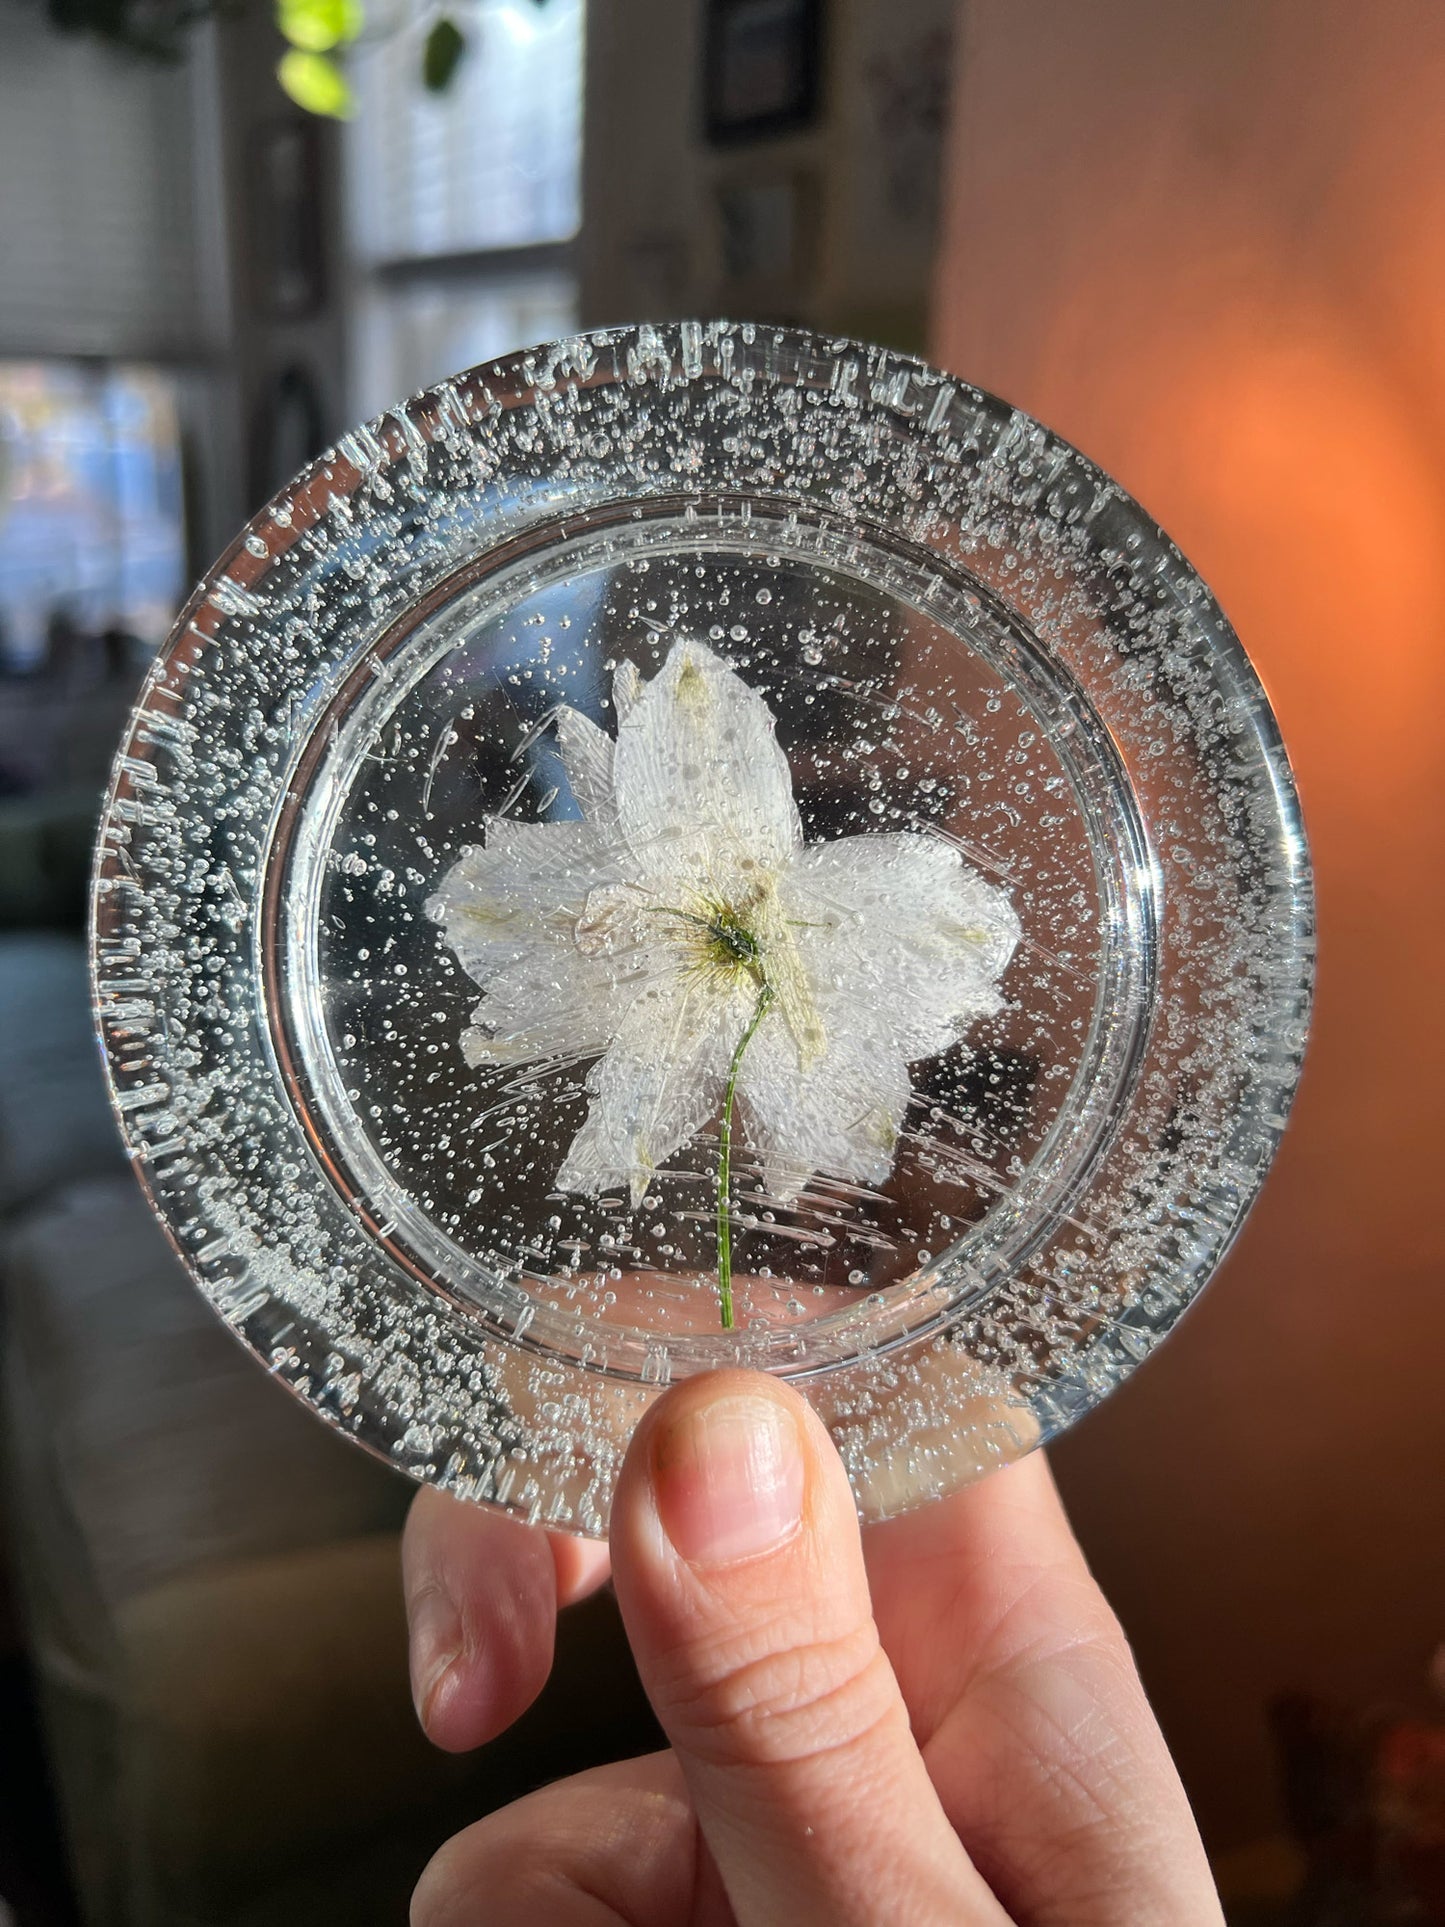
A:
[902,942]
[509,910]
[587,758]
[699,772]
[657,1087]
[561,1004]
[792,986]
[841,1115]
[626,688]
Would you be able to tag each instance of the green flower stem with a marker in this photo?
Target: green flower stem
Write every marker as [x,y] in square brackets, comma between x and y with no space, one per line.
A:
[725,1159]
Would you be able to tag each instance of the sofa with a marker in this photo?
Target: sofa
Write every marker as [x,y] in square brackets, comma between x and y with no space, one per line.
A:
[207,1578]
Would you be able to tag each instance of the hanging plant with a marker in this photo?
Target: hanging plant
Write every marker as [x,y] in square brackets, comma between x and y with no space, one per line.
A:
[445,45]
[317,33]
[307,71]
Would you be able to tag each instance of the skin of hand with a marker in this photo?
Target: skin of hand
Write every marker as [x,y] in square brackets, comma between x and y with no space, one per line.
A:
[936,1721]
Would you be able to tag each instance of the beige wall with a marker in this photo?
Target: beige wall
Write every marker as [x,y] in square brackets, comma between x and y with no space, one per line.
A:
[865,174]
[1206,242]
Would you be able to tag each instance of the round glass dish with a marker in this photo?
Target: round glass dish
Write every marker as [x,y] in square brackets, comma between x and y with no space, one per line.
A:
[974,1058]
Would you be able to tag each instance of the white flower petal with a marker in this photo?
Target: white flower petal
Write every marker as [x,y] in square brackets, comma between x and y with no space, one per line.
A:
[700,779]
[527,882]
[549,1002]
[658,1085]
[626,688]
[510,910]
[902,942]
[587,759]
[841,1115]
[792,987]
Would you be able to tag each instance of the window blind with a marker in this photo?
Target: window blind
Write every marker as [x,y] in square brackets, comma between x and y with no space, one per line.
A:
[97,231]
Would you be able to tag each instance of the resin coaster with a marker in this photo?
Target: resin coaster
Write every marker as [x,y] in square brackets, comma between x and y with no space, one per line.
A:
[693,846]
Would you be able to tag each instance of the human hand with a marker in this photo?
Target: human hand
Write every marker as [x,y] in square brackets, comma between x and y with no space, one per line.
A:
[937,1721]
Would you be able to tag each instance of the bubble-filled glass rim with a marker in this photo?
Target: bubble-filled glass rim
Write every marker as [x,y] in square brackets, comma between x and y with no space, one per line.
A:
[994,589]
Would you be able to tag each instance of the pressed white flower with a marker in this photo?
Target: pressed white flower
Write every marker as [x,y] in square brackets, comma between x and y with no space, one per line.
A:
[684,934]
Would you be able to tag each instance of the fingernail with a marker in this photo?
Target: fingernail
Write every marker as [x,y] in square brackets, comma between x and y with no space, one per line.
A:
[728,1479]
[436,1643]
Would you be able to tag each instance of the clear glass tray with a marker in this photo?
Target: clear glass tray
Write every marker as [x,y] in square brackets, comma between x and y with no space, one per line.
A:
[701,845]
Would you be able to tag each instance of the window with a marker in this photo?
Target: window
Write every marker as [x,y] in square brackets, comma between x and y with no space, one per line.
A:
[92,534]
[464,208]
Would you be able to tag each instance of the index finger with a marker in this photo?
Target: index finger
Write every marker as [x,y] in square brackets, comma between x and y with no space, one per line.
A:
[482,1595]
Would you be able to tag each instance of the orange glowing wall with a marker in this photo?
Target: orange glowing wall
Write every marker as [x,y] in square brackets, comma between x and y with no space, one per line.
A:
[1206,242]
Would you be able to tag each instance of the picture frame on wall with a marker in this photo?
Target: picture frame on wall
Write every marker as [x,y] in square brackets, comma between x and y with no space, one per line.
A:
[762,73]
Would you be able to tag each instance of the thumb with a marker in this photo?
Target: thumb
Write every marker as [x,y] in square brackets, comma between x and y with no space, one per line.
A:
[740,1575]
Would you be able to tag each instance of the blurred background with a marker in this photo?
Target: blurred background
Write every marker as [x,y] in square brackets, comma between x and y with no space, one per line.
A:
[1203,239]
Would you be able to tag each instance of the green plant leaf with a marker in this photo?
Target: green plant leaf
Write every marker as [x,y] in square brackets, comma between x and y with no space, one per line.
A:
[445,45]
[316,83]
[315,26]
